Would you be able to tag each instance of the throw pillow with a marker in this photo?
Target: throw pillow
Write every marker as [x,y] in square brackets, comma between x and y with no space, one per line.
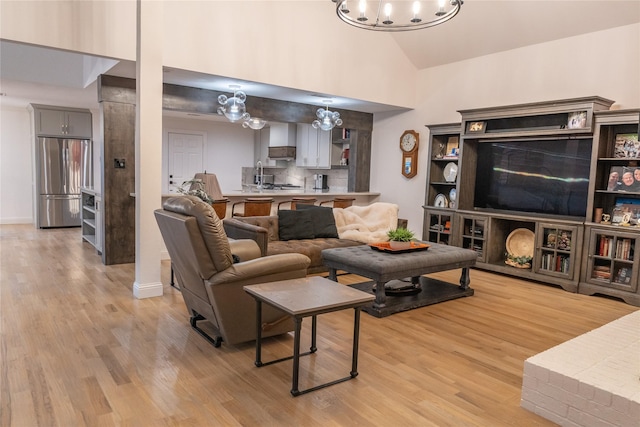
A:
[324,223]
[295,225]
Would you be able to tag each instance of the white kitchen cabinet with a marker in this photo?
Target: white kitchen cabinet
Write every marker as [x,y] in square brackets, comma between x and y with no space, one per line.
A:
[313,147]
[261,151]
[62,123]
[92,218]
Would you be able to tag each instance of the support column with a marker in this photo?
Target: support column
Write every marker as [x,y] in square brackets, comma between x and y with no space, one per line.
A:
[148,145]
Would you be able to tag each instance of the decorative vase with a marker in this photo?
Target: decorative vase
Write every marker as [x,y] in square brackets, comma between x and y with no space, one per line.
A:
[395,245]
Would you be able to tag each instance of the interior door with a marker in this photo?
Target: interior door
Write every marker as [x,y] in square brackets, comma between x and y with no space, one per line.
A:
[185,158]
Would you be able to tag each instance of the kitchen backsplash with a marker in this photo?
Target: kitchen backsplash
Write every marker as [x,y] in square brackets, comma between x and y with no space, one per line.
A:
[337,178]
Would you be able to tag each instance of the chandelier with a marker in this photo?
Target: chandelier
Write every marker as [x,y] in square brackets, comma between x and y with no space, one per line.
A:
[381,15]
[233,108]
[254,123]
[326,120]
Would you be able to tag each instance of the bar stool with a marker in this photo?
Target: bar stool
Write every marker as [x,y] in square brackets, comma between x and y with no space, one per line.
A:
[209,183]
[340,202]
[299,200]
[220,206]
[254,206]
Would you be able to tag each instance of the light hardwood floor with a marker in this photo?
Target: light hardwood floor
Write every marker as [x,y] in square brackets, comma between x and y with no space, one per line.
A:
[78,350]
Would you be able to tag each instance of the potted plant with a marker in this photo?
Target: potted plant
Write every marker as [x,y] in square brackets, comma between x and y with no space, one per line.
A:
[400,238]
[197,190]
[523,262]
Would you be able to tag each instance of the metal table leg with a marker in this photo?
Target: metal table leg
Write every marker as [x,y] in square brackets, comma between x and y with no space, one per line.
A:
[296,357]
[356,335]
[258,333]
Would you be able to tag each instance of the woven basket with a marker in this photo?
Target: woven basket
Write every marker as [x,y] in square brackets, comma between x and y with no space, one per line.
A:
[520,242]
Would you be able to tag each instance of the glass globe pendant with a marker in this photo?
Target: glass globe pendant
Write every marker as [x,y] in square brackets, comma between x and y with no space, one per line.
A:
[326,120]
[233,108]
[254,123]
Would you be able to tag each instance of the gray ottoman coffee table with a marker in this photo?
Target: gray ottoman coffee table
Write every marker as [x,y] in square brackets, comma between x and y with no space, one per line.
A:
[383,267]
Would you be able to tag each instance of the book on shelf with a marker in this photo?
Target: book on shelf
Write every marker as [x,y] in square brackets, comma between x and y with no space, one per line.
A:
[623,276]
[560,263]
[605,246]
[601,272]
[624,249]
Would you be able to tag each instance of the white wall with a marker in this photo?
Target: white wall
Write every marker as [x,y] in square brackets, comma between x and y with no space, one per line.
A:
[604,63]
[16,167]
[261,41]
[228,148]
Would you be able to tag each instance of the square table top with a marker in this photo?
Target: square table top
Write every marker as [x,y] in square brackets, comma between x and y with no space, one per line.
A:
[308,296]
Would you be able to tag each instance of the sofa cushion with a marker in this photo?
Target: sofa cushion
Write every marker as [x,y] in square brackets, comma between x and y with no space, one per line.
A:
[295,225]
[324,223]
[311,248]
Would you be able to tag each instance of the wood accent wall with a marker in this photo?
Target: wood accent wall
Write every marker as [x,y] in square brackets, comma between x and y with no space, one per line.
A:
[359,160]
[118,122]
[117,98]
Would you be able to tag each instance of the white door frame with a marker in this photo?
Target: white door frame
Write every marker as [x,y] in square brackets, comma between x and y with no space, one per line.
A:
[166,172]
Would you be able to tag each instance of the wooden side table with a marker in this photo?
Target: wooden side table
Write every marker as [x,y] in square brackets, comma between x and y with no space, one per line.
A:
[301,298]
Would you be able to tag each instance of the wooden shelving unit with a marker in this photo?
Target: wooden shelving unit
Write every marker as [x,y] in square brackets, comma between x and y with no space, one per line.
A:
[560,241]
[438,226]
[92,218]
[612,264]
[442,139]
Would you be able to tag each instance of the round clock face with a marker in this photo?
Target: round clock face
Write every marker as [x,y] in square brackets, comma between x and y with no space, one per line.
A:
[408,142]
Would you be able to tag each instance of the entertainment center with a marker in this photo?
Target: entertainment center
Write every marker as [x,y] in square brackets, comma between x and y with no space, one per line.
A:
[536,177]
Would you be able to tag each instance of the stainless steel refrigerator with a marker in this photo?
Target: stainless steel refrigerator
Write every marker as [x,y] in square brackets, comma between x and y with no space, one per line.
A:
[63,167]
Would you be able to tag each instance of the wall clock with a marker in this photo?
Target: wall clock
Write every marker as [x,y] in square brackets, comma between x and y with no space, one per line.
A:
[409,142]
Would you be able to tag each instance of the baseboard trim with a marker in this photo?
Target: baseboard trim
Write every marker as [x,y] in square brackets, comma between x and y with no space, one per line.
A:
[147,290]
[16,221]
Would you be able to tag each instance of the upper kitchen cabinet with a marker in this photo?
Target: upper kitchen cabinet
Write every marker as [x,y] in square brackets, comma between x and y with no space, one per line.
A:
[261,152]
[282,141]
[275,144]
[62,122]
[313,147]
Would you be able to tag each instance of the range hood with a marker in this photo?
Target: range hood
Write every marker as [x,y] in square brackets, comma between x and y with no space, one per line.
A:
[284,152]
[282,141]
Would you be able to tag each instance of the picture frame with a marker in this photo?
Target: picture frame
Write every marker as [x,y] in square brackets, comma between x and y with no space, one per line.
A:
[614,178]
[630,207]
[623,179]
[476,127]
[577,120]
[626,146]
[452,146]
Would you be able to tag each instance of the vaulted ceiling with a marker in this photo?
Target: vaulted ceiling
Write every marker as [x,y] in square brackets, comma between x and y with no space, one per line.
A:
[483,27]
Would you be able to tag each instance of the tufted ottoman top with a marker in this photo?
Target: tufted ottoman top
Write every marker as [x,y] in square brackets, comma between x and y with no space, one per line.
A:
[384,266]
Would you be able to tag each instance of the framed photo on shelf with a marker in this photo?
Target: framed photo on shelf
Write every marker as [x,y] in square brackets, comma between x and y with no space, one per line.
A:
[615,178]
[577,120]
[452,147]
[624,178]
[476,127]
[627,146]
[628,206]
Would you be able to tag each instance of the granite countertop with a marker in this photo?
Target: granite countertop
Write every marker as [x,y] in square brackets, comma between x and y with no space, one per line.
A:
[294,192]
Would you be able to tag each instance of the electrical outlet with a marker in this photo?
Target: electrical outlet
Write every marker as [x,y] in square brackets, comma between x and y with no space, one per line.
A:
[118,163]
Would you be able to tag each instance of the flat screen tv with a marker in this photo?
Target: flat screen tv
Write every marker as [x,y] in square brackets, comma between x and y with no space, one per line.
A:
[542,176]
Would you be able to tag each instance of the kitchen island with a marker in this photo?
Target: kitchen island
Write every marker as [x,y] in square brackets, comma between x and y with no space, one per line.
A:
[361,198]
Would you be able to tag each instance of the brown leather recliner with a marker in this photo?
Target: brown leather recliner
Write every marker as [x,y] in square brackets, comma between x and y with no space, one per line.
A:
[210,281]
